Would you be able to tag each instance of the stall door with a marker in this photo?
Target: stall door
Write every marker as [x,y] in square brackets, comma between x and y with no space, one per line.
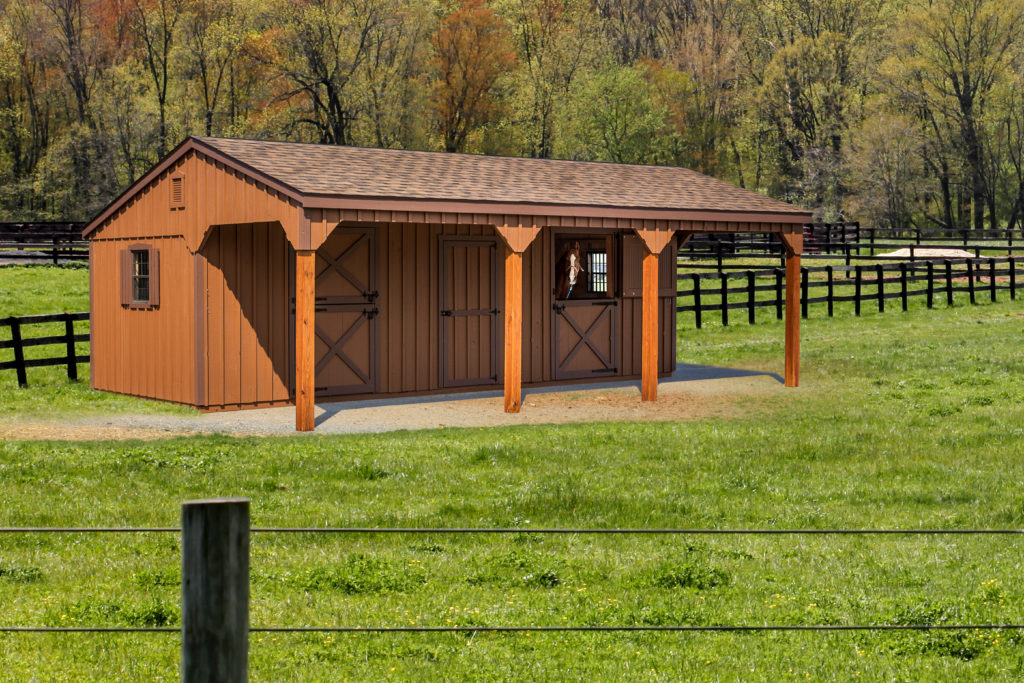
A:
[346,313]
[470,317]
[585,338]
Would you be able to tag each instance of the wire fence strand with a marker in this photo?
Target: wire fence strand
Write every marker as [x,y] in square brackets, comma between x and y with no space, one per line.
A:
[527,530]
[521,629]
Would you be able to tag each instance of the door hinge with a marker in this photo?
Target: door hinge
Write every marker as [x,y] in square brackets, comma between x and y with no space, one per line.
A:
[446,314]
[558,308]
[371,313]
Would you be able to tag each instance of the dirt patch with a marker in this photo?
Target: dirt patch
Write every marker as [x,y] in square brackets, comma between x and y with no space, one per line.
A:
[680,401]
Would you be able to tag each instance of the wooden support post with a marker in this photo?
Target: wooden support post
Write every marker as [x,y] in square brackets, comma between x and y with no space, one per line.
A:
[794,247]
[215,590]
[517,238]
[649,329]
[513,330]
[655,240]
[305,339]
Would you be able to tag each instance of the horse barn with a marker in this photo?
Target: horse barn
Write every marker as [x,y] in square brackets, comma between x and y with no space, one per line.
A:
[242,273]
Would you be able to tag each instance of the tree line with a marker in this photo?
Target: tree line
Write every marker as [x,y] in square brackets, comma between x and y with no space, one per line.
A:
[902,113]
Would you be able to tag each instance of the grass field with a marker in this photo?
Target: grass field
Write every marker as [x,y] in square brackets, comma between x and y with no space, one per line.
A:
[903,420]
[35,290]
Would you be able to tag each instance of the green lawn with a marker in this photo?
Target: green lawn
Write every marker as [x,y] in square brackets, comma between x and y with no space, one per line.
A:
[903,420]
[35,290]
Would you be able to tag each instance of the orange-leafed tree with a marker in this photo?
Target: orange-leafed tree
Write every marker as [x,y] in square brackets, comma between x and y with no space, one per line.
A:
[472,51]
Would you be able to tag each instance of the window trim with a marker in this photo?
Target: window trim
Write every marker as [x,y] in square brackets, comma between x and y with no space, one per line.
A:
[128,299]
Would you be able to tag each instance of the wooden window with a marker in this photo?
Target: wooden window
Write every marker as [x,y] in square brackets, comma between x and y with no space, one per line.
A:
[177,192]
[140,276]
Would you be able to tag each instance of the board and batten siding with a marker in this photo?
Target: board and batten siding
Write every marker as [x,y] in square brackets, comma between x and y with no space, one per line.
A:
[143,351]
[248,277]
[211,194]
[408,283]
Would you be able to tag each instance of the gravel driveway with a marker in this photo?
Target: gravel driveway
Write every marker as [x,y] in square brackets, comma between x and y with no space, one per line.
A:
[693,392]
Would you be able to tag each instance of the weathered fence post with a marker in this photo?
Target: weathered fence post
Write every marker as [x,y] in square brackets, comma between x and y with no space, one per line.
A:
[69,342]
[215,590]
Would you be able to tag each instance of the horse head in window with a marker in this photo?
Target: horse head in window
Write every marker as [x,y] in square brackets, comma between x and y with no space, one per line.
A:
[567,271]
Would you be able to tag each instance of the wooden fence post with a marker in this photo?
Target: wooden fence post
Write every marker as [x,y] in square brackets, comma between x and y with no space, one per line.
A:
[778,293]
[858,276]
[725,299]
[19,353]
[903,286]
[831,289]
[804,294]
[215,590]
[949,282]
[992,279]
[750,297]
[69,342]
[1013,277]
[931,284]
[880,274]
[970,279]
[696,299]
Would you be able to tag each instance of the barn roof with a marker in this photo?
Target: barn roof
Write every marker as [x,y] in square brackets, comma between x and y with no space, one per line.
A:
[331,170]
[328,175]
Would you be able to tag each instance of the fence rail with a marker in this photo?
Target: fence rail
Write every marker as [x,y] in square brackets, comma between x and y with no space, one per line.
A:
[54,242]
[18,342]
[878,283]
[849,240]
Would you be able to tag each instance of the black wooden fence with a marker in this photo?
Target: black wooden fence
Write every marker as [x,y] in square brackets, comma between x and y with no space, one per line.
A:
[875,284]
[43,242]
[19,342]
[849,240]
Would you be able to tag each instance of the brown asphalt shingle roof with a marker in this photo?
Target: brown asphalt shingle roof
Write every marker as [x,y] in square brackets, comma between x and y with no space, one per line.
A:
[331,170]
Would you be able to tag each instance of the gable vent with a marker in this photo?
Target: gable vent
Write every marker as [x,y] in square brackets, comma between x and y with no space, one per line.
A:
[177,193]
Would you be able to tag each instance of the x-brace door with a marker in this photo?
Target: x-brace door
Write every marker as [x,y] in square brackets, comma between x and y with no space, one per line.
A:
[585,338]
[346,313]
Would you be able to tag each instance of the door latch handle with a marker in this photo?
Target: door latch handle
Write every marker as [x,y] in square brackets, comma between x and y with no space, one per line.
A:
[446,314]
